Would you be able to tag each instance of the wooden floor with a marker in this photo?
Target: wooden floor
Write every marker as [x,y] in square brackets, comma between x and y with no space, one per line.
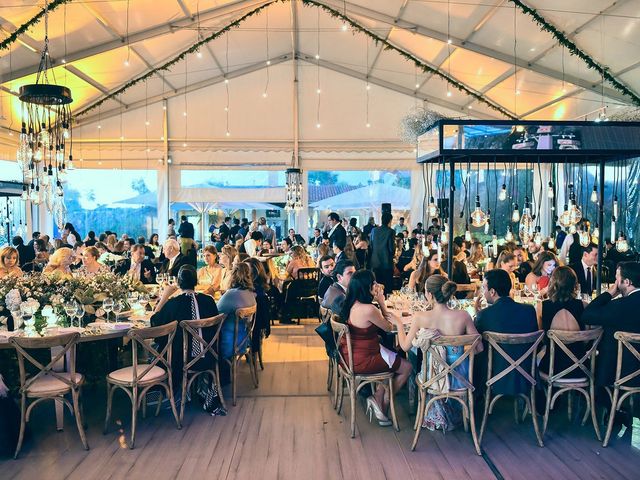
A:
[286,429]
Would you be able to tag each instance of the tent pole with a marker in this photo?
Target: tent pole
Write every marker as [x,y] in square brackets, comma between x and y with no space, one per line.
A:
[601,226]
[452,189]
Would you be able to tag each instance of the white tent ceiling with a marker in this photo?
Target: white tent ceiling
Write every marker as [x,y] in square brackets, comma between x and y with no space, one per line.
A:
[95,53]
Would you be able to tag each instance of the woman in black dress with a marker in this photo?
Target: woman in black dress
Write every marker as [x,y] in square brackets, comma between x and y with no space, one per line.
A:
[563,290]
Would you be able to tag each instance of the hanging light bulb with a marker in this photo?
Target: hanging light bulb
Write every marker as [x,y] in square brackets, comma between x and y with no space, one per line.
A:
[552,242]
[621,244]
[494,243]
[585,238]
[444,236]
[537,238]
[478,217]
[509,236]
[59,190]
[25,193]
[615,206]
[564,218]
[515,216]
[526,229]
[550,193]
[613,227]
[488,224]
[594,194]
[502,196]
[432,208]
[595,235]
[467,234]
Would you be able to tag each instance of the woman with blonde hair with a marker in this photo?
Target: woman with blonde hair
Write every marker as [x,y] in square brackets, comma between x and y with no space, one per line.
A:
[60,263]
[111,242]
[9,262]
[299,259]
[477,254]
[227,254]
[90,265]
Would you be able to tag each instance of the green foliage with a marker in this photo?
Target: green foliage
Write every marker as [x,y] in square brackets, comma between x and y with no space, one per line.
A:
[139,186]
[322,178]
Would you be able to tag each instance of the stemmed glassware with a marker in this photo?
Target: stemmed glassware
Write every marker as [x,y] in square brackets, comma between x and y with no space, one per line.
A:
[80,312]
[171,281]
[117,309]
[70,309]
[132,298]
[144,300]
[107,306]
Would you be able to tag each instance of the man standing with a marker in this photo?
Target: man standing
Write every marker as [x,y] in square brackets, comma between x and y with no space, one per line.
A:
[225,227]
[327,264]
[614,316]
[400,227]
[382,251]
[337,231]
[233,231]
[186,228]
[571,248]
[137,267]
[371,224]
[337,292]
[268,235]
[584,268]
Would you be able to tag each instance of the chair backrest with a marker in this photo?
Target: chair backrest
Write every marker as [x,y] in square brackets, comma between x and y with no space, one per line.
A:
[561,339]
[496,340]
[627,341]
[431,352]
[311,274]
[246,315]
[192,330]
[341,331]
[325,314]
[67,343]
[564,320]
[162,357]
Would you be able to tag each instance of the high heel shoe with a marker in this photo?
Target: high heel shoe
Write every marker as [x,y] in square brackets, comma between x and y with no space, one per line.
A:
[374,409]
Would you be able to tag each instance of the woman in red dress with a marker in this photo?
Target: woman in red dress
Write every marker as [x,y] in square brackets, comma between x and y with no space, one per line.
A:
[369,356]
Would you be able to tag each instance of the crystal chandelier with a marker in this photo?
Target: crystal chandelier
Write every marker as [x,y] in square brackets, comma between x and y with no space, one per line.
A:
[293,189]
[45,137]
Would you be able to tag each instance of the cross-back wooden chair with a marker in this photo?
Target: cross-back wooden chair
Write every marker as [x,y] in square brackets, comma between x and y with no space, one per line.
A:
[560,339]
[495,342]
[468,288]
[247,316]
[627,342]
[354,381]
[192,332]
[139,378]
[325,317]
[431,355]
[47,384]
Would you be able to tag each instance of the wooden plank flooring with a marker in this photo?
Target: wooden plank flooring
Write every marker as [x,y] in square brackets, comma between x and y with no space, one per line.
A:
[287,429]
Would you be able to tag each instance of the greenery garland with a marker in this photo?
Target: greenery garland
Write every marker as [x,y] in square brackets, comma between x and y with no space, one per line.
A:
[334,13]
[575,50]
[30,23]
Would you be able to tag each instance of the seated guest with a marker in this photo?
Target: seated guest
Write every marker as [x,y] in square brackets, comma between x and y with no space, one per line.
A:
[90,265]
[326,265]
[338,250]
[60,263]
[25,254]
[9,260]
[438,291]
[523,265]
[227,254]
[210,276]
[296,238]
[299,259]
[42,254]
[316,240]
[561,311]
[507,262]
[336,293]
[418,254]
[111,242]
[186,304]
[240,295]
[615,315]
[78,248]
[369,356]
[263,309]
[90,241]
[285,245]
[350,253]
[585,270]
[148,251]
[477,253]
[47,241]
[504,315]
[221,240]
[429,265]
[138,267]
[173,258]
[253,245]
[154,245]
[362,249]
[539,277]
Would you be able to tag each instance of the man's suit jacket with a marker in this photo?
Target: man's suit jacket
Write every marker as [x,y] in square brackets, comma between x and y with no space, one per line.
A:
[582,280]
[619,315]
[334,298]
[323,285]
[339,235]
[124,266]
[224,228]
[383,248]
[315,241]
[507,316]
[186,230]
[177,263]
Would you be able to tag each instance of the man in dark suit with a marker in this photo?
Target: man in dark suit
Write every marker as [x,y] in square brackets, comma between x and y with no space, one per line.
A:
[337,292]
[337,231]
[25,254]
[137,266]
[383,248]
[614,316]
[584,269]
[233,231]
[173,259]
[316,240]
[504,315]
[327,264]
[148,251]
[338,250]
[225,227]
[186,228]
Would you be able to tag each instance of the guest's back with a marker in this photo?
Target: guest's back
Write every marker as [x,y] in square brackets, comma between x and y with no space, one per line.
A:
[232,300]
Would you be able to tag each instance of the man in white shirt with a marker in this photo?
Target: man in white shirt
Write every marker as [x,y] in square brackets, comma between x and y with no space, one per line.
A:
[400,227]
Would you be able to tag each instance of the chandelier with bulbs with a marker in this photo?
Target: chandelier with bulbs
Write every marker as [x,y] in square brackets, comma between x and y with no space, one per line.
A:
[293,189]
[44,146]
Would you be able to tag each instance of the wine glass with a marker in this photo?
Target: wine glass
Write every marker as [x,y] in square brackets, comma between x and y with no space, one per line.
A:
[107,306]
[117,309]
[132,298]
[172,281]
[70,310]
[144,300]
[80,312]
[161,278]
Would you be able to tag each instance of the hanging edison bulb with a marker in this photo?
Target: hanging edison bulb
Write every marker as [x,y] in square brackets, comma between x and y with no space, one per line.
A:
[432,208]
[502,196]
[537,238]
[575,213]
[550,193]
[585,238]
[478,217]
[565,217]
[615,206]
[526,229]
[25,193]
[515,215]
[594,194]
[613,226]
[552,242]
[595,235]
[444,236]
[488,224]
[494,243]
[621,244]
[509,236]
[467,234]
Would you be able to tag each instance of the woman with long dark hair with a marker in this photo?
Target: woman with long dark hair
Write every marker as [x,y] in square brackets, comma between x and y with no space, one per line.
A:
[429,265]
[369,356]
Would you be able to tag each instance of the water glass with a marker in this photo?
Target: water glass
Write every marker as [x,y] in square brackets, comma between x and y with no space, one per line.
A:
[70,309]
[171,281]
[80,312]
[117,309]
[107,306]
[144,300]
